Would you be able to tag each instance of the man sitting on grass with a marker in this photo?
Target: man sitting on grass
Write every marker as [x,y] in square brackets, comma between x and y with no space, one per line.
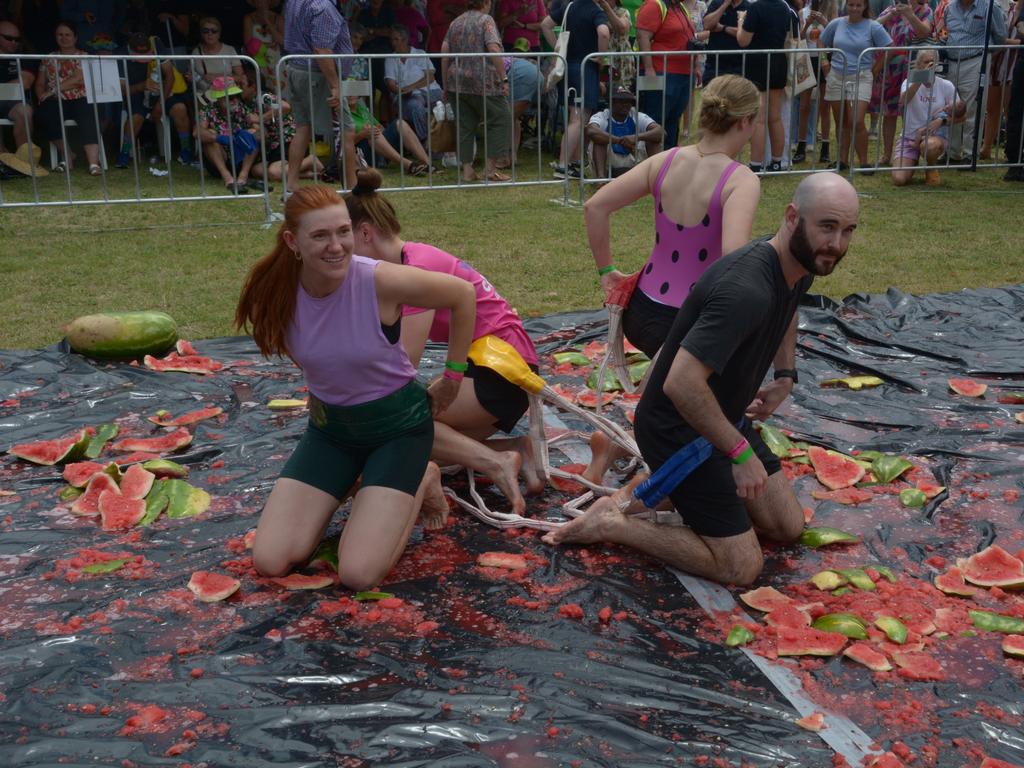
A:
[630,135]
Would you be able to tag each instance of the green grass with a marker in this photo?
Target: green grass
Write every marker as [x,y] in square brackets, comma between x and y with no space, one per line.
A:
[189,258]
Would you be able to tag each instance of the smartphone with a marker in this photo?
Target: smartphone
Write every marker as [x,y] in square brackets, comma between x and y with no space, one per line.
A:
[922,76]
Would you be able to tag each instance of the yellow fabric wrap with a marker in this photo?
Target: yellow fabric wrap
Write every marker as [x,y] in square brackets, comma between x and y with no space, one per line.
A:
[501,357]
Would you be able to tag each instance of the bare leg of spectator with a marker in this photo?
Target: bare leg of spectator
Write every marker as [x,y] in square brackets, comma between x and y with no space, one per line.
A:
[18,115]
[757,138]
[297,151]
[888,138]
[412,143]
[214,153]
[861,131]
[825,125]
[571,139]
[775,130]
[600,160]
[246,167]
[903,170]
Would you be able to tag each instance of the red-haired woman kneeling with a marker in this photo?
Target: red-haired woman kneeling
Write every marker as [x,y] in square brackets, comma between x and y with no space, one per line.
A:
[338,316]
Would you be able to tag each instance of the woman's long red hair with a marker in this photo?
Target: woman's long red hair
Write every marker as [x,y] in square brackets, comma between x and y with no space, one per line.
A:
[267,303]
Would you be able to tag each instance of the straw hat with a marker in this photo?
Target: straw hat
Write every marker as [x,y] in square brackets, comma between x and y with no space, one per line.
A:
[222,85]
[20,162]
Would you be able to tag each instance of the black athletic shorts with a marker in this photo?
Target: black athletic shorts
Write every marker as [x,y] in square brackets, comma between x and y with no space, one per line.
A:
[770,75]
[646,322]
[707,499]
[501,398]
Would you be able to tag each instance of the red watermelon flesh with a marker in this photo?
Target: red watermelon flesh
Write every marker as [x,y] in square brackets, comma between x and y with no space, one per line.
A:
[183,347]
[888,760]
[808,642]
[766,599]
[588,398]
[182,363]
[509,560]
[50,452]
[1013,645]
[137,482]
[813,722]
[212,587]
[164,419]
[569,486]
[788,616]
[77,474]
[864,654]
[136,458]
[967,387]
[834,470]
[993,567]
[1010,398]
[302,581]
[179,438]
[89,502]
[991,762]
[919,666]
[844,495]
[118,512]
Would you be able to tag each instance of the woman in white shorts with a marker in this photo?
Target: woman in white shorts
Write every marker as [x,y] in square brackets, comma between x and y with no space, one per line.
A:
[848,87]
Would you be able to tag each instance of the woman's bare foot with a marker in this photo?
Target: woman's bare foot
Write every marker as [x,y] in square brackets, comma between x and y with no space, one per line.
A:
[434,507]
[603,453]
[531,475]
[507,478]
[596,524]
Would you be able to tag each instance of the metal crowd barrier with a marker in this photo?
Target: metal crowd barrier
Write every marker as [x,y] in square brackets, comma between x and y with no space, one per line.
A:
[364,88]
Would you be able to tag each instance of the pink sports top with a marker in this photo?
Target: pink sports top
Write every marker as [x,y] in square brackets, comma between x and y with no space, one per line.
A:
[681,254]
[494,315]
[338,342]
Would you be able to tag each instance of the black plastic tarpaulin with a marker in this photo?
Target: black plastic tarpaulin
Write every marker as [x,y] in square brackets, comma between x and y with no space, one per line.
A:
[476,666]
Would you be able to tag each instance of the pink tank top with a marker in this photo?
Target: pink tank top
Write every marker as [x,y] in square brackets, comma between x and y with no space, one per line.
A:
[338,342]
[681,254]
[494,315]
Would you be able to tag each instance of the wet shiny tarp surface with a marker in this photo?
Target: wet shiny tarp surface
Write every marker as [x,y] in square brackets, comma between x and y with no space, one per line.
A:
[478,666]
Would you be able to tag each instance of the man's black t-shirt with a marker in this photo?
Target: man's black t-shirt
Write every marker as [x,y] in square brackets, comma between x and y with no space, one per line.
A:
[733,321]
[585,16]
[11,69]
[723,64]
[768,21]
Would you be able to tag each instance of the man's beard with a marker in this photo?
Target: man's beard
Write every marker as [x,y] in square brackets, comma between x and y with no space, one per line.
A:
[806,256]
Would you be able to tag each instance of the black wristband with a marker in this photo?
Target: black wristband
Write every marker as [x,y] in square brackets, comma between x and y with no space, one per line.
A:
[786,373]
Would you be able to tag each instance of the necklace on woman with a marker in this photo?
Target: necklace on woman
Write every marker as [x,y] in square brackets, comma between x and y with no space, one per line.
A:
[702,153]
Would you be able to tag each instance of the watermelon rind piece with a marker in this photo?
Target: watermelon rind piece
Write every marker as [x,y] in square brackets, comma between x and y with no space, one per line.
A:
[112,335]
[296,581]
[137,482]
[508,560]
[884,571]
[776,440]
[118,512]
[826,581]
[858,577]
[862,653]
[993,567]
[104,434]
[371,595]
[765,599]
[326,553]
[212,587]
[1013,645]
[894,629]
[738,635]
[88,504]
[172,441]
[185,500]
[69,493]
[847,624]
[156,502]
[822,537]
[182,363]
[107,566]
[854,382]
[576,358]
[808,642]
[813,722]
[165,468]
[285,404]
[834,470]
[968,387]
[46,453]
[163,418]
[79,473]
[997,622]
[952,582]
[887,468]
[913,498]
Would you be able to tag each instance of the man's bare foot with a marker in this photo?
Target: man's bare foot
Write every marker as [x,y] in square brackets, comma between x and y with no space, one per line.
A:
[507,479]
[594,525]
[534,483]
[434,507]
[603,452]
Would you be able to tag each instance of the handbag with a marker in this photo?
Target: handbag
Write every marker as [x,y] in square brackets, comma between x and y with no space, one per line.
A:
[800,74]
[557,72]
[442,134]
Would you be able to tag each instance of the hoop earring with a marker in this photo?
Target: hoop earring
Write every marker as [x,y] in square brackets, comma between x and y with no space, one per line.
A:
[298,256]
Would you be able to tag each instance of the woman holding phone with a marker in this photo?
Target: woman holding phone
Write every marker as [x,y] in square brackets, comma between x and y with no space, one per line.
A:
[907,24]
[929,105]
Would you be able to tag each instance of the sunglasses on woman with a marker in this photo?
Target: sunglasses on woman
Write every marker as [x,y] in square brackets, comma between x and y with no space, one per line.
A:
[12,38]
[210,31]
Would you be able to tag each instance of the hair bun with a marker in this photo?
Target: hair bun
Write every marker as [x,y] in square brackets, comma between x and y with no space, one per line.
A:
[368,181]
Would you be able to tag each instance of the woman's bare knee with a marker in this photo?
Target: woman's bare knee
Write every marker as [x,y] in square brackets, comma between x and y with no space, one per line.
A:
[268,563]
[360,577]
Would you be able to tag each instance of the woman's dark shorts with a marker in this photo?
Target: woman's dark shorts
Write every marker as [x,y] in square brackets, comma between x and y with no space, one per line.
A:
[501,398]
[646,322]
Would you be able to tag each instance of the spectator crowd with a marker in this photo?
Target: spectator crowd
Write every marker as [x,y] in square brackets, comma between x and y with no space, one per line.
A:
[916,89]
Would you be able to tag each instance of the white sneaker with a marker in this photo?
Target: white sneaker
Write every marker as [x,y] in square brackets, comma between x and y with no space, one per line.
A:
[450,160]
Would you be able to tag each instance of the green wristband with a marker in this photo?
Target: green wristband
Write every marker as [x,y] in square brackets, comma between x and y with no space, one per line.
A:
[743,457]
[457,367]
[605,270]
